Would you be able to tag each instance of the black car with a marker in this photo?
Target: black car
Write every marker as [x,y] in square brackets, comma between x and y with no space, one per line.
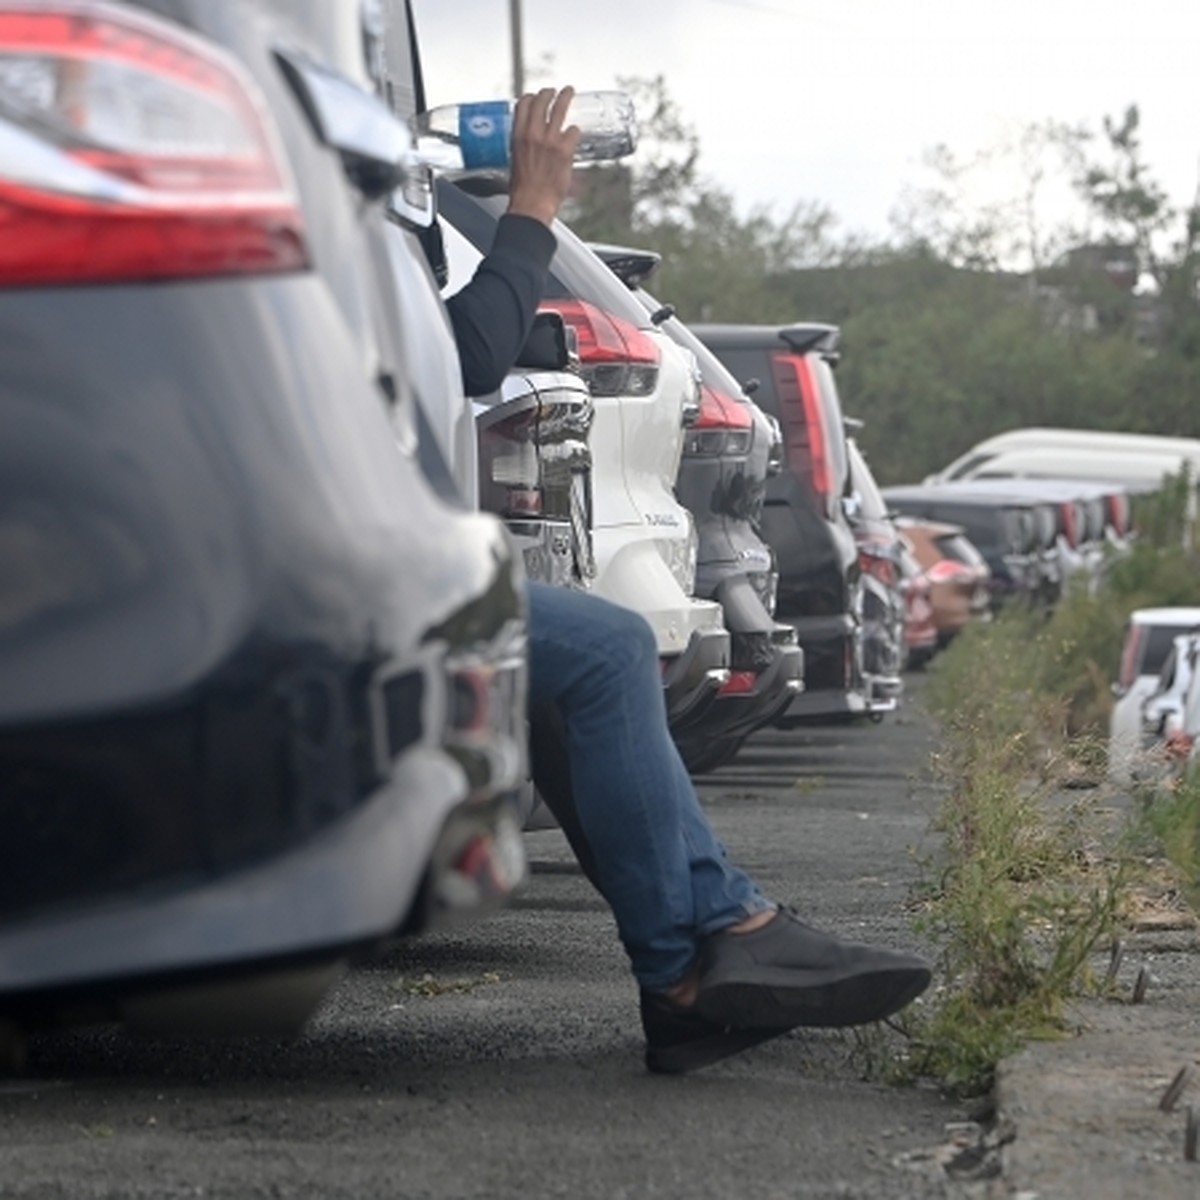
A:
[260,688]
[788,371]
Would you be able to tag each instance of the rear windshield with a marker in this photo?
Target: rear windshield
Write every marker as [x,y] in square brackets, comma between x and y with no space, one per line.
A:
[715,373]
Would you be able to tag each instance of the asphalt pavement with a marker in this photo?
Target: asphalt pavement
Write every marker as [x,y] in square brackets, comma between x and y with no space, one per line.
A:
[502,1058]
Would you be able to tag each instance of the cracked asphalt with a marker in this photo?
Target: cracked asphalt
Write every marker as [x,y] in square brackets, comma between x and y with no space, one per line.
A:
[502,1057]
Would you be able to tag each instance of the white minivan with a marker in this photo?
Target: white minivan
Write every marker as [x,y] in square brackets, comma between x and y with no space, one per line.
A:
[1141,461]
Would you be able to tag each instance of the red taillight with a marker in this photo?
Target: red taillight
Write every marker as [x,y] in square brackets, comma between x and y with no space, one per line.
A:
[130,150]
[880,565]
[616,357]
[1070,522]
[738,683]
[724,426]
[946,570]
[802,418]
[1117,506]
[1178,744]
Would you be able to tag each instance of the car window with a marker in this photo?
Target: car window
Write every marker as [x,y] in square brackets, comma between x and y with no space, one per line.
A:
[832,406]
[1156,645]
[873,505]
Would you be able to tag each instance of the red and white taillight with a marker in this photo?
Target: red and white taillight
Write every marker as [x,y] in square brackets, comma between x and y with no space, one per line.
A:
[724,427]
[133,150]
[1070,523]
[877,560]
[803,420]
[947,570]
[616,358]
[1117,511]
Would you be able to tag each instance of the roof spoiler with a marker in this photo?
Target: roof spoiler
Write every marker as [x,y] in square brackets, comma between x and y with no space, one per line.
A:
[632,267]
[823,339]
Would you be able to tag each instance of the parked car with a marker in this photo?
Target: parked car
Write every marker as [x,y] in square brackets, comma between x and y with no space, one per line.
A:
[643,389]
[958,574]
[729,452]
[1164,745]
[259,685]
[1149,636]
[1088,523]
[788,372]
[1003,528]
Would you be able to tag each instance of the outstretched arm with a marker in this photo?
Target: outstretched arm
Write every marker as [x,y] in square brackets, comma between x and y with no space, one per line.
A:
[491,316]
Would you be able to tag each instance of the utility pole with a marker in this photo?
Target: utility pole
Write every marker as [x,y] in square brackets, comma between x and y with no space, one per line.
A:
[518,52]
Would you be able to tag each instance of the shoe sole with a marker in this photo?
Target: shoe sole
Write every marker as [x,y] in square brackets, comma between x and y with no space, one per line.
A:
[774,1000]
[704,1051]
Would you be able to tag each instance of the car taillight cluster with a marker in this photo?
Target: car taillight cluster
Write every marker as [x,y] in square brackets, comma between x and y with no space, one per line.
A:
[130,150]
[1070,523]
[615,357]
[1117,511]
[724,426]
[510,482]
[879,562]
[802,418]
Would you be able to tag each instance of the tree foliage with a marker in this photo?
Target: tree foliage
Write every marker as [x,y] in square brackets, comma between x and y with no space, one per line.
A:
[975,316]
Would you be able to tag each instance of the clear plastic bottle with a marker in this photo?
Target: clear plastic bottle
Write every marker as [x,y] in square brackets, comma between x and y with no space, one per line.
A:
[470,137]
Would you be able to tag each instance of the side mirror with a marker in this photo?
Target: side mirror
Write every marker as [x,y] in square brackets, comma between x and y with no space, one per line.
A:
[375,146]
[547,347]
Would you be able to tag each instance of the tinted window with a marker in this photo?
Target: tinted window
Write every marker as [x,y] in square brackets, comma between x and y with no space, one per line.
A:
[745,365]
[1156,645]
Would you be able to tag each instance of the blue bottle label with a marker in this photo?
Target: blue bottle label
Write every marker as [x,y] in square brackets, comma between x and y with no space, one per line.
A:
[483,133]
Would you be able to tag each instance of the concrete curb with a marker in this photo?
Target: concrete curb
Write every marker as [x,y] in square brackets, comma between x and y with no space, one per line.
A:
[1096,1115]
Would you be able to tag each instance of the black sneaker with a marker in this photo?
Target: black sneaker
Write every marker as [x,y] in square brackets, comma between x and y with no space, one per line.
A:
[679,1039]
[788,974]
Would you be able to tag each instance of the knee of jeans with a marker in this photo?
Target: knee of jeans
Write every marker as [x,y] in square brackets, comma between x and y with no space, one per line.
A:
[633,640]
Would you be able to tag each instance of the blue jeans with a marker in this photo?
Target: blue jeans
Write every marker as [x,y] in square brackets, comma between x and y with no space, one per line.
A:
[655,857]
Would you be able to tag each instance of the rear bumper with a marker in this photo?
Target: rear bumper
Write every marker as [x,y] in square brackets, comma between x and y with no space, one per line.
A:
[362,879]
[692,679]
[833,680]
[739,713]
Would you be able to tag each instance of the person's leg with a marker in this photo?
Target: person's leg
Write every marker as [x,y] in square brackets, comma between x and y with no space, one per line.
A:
[721,967]
[654,855]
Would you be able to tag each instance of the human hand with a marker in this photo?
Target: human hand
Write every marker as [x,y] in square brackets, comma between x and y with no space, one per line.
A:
[542,154]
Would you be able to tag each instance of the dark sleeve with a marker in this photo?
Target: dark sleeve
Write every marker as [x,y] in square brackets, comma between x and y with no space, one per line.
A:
[491,316]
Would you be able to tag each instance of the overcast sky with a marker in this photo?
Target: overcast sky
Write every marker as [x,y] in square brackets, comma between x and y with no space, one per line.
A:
[807,100]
